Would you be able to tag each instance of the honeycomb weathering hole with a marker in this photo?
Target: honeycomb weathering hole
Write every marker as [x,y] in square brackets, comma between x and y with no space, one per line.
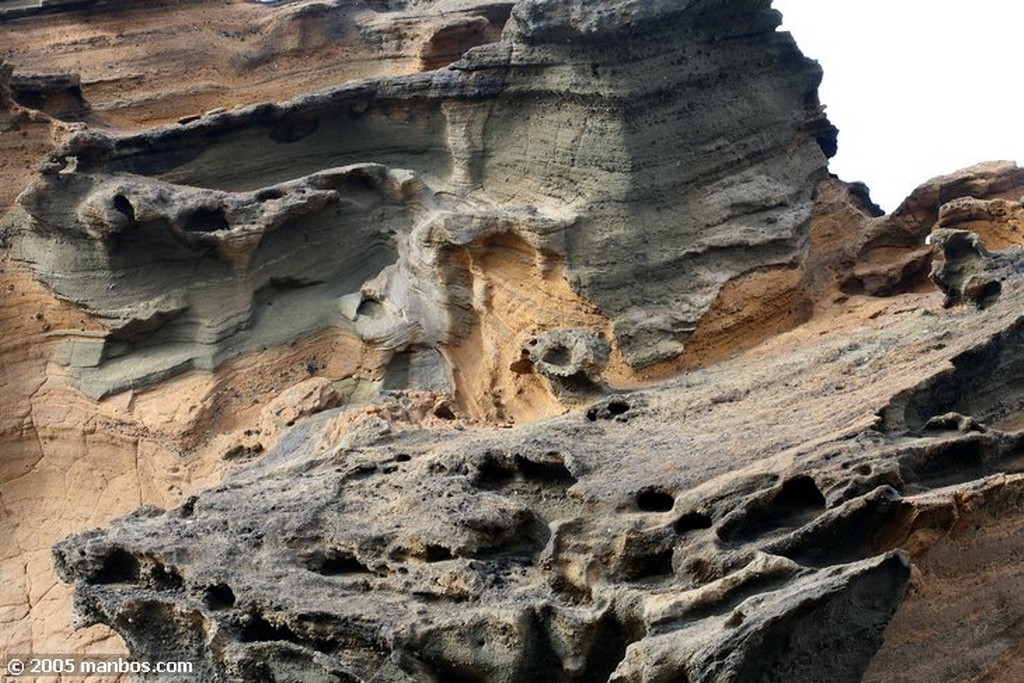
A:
[206,220]
[219,596]
[652,500]
[119,566]
[692,521]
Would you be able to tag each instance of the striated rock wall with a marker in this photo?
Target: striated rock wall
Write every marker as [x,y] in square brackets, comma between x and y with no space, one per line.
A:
[182,239]
[511,341]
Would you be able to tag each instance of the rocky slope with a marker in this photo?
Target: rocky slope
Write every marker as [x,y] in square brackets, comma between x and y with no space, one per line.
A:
[509,341]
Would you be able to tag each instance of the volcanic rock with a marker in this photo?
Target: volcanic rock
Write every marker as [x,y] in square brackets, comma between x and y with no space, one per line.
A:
[491,341]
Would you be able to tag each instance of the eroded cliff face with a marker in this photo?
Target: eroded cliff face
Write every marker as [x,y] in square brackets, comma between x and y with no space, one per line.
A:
[517,341]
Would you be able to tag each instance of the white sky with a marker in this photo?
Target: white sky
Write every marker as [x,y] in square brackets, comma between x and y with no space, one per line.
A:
[917,88]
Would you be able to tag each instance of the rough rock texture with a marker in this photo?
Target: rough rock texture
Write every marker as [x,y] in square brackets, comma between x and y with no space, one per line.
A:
[510,341]
[636,540]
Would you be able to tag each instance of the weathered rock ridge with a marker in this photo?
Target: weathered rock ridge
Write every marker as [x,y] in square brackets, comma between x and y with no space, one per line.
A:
[491,341]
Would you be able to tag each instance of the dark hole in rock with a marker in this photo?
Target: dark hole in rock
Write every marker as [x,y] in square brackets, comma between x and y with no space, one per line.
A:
[258,630]
[124,207]
[444,412]
[652,566]
[617,407]
[206,220]
[692,521]
[448,43]
[523,366]
[653,500]
[611,637]
[557,355]
[370,308]
[403,457]
[799,492]
[268,194]
[988,294]
[437,553]
[188,508]
[548,472]
[119,566]
[493,474]
[219,596]
[853,286]
[165,578]
[613,409]
[339,562]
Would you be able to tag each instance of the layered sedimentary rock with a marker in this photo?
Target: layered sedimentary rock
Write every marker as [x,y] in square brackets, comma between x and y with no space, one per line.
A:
[651,187]
[536,344]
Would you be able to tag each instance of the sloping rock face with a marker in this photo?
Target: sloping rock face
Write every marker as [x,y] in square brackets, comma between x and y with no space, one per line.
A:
[538,346]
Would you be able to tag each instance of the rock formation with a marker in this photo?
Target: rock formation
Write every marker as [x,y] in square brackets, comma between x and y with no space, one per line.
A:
[490,341]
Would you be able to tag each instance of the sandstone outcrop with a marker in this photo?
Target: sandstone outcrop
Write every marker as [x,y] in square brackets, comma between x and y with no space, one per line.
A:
[458,340]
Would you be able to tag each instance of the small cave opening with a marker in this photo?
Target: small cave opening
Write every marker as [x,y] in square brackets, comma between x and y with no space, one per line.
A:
[336,563]
[610,639]
[652,565]
[206,220]
[450,42]
[990,291]
[118,566]
[124,207]
[370,308]
[617,407]
[692,521]
[258,630]
[437,553]
[268,194]
[614,409]
[945,463]
[219,596]
[444,412]
[654,500]
[799,493]
[165,578]
[552,472]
